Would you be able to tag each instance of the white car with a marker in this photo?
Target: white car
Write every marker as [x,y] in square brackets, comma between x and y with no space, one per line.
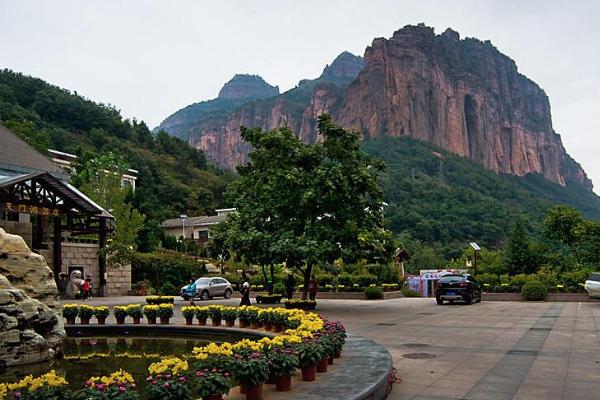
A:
[592,285]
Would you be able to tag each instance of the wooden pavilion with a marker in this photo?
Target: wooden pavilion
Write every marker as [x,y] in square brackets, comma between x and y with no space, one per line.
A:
[32,184]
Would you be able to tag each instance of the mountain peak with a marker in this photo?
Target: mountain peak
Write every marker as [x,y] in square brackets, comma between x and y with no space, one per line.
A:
[245,86]
[346,66]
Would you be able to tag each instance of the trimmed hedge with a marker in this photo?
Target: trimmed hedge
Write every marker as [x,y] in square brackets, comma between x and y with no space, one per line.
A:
[534,290]
[374,292]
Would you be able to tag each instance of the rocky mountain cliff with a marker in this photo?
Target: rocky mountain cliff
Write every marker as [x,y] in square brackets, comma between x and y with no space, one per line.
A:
[241,89]
[461,95]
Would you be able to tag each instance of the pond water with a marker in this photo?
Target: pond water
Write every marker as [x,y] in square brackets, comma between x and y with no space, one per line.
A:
[97,356]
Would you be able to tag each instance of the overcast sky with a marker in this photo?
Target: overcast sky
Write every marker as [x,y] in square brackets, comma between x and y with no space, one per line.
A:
[150,58]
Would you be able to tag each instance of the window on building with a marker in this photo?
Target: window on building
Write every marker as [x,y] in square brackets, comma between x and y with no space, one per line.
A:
[203,235]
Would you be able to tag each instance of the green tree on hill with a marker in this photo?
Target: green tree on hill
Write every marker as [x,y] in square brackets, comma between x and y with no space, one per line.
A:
[307,203]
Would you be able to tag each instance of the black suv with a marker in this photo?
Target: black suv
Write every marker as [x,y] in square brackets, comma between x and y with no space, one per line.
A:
[458,288]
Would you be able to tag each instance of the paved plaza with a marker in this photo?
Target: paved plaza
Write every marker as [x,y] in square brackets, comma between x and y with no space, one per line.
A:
[492,350]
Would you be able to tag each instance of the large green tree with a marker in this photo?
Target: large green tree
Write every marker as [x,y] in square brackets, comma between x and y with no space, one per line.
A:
[303,204]
[100,178]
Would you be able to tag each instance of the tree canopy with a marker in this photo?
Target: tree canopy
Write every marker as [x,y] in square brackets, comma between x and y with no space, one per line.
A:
[307,203]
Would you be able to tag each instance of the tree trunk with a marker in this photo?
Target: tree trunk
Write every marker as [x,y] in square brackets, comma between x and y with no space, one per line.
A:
[272,272]
[307,274]
[264,271]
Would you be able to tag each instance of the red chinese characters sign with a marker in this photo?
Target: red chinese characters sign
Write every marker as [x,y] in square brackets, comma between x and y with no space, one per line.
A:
[29,209]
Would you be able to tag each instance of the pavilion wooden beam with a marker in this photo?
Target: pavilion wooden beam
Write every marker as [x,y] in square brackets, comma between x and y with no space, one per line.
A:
[57,248]
[102,255]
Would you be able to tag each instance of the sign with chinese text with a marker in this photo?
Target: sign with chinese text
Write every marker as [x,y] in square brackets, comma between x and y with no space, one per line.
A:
[30,209]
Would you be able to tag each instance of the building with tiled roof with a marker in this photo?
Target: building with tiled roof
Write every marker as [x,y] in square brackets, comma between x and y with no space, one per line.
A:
[194,228]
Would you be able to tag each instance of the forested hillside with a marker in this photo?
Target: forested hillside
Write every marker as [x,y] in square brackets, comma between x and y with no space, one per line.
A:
[173,177]
[445,201]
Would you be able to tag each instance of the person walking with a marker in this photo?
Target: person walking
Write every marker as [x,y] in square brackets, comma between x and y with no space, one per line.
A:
[245,292]
[290,286]
[312,288]
[191,290]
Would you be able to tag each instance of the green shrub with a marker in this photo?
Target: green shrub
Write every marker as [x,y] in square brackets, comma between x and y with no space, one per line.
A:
[534,290]
[346,279]
[365,280]
[325,279]
[374,292]
[518,281]
[279,288]
[256,280]
[572,280]
[488,281]
[168,289]
[384,273]
[408,292]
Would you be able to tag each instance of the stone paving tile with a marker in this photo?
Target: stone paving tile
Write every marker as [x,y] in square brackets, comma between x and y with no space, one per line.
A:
[469,341]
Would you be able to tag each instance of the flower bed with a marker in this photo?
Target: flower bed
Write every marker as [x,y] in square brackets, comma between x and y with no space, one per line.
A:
[268,298]
[300,304]
[212,370]
[160,299]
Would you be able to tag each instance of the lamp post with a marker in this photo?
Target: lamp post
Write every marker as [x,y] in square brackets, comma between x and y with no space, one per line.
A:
[475,248]
[183,217]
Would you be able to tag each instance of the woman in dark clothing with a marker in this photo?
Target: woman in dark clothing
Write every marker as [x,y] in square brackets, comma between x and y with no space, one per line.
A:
[290,285]
[245,292]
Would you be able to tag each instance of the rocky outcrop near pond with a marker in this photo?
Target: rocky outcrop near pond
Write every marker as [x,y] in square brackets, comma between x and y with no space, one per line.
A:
[31,325]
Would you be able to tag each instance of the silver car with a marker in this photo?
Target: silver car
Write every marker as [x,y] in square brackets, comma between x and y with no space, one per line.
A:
[592,285]
[207,288]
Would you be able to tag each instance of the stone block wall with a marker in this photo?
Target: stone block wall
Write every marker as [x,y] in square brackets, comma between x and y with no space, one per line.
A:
[85,257]
[118,280]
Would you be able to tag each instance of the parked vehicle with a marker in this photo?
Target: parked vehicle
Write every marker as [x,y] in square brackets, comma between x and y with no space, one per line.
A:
[592,285]
[208,287]
[458,288]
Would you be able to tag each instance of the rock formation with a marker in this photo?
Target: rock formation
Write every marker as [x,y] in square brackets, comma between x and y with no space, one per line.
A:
[251,87]
[461,95]
[31,325]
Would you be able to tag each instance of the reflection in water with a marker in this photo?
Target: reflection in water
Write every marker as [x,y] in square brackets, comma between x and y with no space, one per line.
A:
[86,357]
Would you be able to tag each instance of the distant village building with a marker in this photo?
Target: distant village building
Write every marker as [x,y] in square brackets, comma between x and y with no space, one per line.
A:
[66,160]
[55,219]
[194,228]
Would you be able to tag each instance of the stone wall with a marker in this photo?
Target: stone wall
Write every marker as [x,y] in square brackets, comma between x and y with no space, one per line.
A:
[118,280]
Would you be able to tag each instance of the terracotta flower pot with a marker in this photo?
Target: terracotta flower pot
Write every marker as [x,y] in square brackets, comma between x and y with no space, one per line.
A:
[254,325]
[337,354]
[277,328]
[101,321]
[254,392]
[84,321]
[309,373]
[322,366]
[120,320]
[137,320]
[151,320]
[189,321]
[229,323]
[243,324]
[330,360]
[283,383]
[202,322]
[268,326]
[164,320]
[70,321]
[214,397]
[216,322]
